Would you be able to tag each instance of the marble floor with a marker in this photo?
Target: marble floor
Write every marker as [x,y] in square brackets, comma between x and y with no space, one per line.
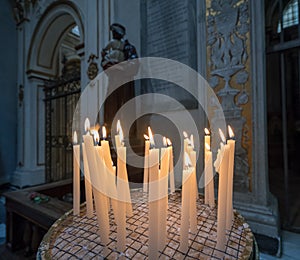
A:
[290,247]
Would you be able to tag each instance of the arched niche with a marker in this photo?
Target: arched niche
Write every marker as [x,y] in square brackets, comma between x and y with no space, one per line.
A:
[57,21]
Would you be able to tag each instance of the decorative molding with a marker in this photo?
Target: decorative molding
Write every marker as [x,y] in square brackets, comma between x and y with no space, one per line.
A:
[93,69]
[23,10]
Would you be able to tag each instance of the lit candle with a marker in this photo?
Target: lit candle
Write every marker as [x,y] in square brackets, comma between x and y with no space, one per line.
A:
[153,199]
[222,168]
[98,175]
[231,143]
[185,204]
[146,163]
[209,180]
[171,166]
[206,137]
[111,177]
[122,174]
[206,145]
[122,198]
[106,151]
[193,192]
[76,176]
[163,194]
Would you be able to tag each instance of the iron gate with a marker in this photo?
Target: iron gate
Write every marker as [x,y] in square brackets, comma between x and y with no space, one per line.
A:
[61,97]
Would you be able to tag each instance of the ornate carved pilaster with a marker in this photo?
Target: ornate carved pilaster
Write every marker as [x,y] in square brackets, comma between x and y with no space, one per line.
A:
[236,71]
[228,69]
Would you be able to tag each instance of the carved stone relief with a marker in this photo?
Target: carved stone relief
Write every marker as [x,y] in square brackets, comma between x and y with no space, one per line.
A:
[23,9]
[227,31]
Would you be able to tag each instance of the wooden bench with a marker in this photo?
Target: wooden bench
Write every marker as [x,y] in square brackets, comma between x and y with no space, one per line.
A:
[26,219]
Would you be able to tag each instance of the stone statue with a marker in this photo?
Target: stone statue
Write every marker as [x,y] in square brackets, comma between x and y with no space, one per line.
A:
[121,56]
[118,49]
[113,52]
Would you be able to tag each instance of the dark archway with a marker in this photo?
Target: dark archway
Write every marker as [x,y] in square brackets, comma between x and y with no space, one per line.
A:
[283,105]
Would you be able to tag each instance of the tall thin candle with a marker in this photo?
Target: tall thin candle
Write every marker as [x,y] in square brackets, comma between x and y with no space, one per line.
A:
[163,194]
[222,195]
[185,204]
[146,164]
[76,176]
[171,166]
[229,210]
[209,180]
[153,200]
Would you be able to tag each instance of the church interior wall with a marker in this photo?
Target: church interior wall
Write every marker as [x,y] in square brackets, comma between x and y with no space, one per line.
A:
[9,95]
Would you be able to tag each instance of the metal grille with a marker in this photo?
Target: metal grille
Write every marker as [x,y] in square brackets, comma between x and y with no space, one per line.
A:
[75,237]
[61,97]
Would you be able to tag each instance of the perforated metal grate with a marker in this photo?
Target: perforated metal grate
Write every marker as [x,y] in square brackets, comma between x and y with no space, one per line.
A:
[74,237]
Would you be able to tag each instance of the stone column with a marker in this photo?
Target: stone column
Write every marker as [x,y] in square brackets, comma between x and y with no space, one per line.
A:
[30,164]
[236,71]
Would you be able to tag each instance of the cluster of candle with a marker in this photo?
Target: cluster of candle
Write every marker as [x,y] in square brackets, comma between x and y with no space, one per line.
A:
[158,169]
[107,190]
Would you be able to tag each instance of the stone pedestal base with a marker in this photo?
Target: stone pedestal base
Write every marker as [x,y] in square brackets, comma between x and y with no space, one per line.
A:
[23,178]
[263,220]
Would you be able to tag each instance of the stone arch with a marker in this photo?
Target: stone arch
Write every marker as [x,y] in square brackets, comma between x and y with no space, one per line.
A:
[56,22]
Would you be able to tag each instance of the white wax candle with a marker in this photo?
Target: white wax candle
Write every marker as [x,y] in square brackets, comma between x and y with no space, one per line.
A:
[209,180]
[185,204]
[107,155]
[76,176]
[229,213]
[146,166]
[123,198]
[122,184]
[171,169]
[222,201]
[153,203]
[193,194]
[206,149]
[163,194]
[88,185]
[117,140]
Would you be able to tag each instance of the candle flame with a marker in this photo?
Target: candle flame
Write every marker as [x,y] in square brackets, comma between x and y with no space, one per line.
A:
[146,137]
[165,143]
[187,160]
[192,141]
[206,131]
[231,134]
[87,125]
[119,128]
[151,136]
[222,136]
[169,142]
[103,132]
[75,138]
[185,135]
[96,136]
[207,146]
[121,136]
